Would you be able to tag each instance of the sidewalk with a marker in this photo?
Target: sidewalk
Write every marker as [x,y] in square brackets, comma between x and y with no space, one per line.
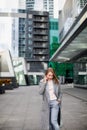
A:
[75,92]
[20,109]
[74,108]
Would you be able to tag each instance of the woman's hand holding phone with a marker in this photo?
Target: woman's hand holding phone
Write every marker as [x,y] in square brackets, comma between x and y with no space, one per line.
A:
[45,79]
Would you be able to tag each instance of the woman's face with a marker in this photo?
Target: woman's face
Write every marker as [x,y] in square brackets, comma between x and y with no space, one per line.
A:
[49,76]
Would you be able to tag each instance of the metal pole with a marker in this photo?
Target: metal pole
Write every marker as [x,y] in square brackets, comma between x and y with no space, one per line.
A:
[0,66]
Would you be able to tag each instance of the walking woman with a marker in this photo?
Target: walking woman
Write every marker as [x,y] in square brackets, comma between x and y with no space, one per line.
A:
[50,89]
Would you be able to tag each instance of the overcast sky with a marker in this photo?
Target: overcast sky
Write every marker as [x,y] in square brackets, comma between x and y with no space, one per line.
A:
[8,3]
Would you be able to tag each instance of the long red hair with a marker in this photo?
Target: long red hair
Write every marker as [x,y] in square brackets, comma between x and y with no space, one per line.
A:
[55,79]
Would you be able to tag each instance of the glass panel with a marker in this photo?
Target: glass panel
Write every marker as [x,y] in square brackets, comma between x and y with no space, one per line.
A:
[80,73]
[30,28]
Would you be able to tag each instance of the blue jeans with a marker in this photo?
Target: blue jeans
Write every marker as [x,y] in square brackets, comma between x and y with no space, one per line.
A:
[54,109]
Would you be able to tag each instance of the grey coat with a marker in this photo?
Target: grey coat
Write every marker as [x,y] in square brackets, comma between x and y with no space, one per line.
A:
[45,106]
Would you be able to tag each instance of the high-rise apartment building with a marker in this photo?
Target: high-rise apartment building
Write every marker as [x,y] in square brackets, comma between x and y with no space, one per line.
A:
[22,34]
[37,43]
[22,4]
[48,5]
[37,40]
[34,39]
[30,4]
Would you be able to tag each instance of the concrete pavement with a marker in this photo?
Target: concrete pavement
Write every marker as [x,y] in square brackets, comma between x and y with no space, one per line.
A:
[74,109]
[20,109]
[80,93]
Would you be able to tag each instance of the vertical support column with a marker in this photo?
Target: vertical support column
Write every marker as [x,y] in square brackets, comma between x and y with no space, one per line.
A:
[0,65]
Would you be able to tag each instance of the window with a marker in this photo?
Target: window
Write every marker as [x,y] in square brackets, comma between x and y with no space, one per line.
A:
[29,49]
[29,42]
[55,39]
[82,3]
[29,22]
[30,28]
[30,35]
[30,16]
[53,25]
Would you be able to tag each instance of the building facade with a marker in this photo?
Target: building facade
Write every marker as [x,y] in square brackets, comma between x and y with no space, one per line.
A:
[37,41]
[19,65]
[48,5]
[80,69]
[29,38]
[30,4]
[72,36]
[7,74]
[68,15]
[22,4]
[45,5]
[53,23]
[22,34]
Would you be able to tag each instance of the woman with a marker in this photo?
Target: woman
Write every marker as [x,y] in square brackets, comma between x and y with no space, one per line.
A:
[50,89]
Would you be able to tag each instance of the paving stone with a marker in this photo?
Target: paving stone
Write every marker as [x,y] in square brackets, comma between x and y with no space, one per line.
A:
[20,109]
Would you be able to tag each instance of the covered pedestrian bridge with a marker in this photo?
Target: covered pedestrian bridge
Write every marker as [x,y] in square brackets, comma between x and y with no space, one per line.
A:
[74,43]
[73,48]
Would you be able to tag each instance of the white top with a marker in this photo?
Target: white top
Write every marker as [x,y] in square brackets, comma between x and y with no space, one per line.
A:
[51,90]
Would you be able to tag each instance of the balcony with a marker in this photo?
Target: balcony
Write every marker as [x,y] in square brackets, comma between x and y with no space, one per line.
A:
[38,58]
[39,45]
[38,52]
[41,38]
[40,32]
[40,26]
[42,19]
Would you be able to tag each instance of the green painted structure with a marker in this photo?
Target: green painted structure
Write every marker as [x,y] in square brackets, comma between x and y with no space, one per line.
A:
[61,69]
[53,23]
